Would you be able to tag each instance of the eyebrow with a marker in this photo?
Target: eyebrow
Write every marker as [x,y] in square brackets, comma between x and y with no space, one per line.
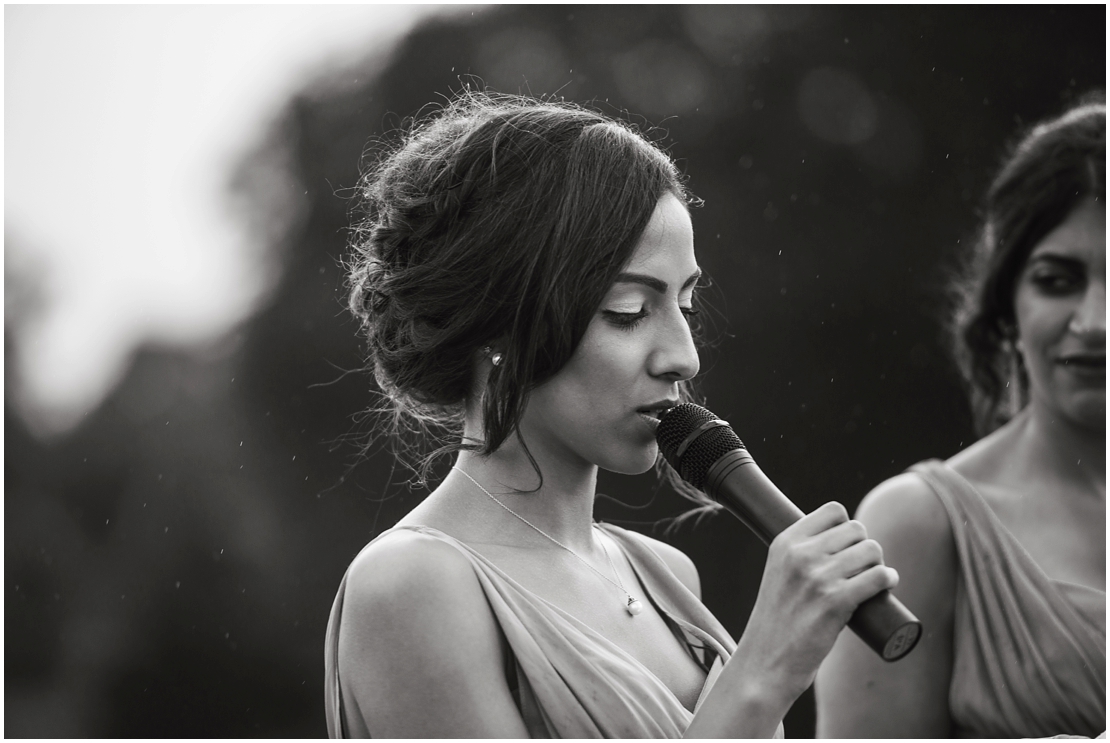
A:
[1054,258]
[657,284]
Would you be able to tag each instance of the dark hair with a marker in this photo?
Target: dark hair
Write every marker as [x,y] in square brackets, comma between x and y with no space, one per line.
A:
[1054,167]
[498,221]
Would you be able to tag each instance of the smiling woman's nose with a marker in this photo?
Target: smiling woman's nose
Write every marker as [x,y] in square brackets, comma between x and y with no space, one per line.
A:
[1089,319]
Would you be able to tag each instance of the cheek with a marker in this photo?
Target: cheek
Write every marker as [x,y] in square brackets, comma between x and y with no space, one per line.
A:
[610,363]
[1041,321]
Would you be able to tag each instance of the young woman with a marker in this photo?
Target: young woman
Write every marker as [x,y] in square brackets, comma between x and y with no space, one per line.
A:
[1003,546]
[525,278]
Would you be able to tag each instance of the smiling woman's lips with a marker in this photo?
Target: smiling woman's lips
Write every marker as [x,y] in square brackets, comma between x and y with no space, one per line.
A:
[1087,367]
[1088,362]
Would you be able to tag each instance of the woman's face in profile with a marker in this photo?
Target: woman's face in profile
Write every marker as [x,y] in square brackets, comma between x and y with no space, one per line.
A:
[603,405]
[1060,304]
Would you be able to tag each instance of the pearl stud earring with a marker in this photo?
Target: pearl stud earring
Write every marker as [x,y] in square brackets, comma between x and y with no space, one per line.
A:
[494,358]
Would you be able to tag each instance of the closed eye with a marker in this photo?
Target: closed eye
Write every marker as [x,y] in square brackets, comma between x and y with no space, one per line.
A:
[624,320]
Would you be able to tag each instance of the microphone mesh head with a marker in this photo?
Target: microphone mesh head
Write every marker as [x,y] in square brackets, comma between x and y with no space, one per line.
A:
[709,446]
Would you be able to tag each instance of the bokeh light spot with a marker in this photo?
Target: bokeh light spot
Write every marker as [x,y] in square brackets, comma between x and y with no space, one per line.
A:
[660,79]
[895,149]
[726,32]
[523,61]
[836,106]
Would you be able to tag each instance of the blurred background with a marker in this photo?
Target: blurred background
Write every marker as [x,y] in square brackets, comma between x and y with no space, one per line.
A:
[183,483]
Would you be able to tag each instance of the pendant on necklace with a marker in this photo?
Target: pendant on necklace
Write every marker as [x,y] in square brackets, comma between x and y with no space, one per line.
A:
[634,606]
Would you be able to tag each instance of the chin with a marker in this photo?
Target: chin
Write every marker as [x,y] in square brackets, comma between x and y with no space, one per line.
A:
[1092,417]
[633,462]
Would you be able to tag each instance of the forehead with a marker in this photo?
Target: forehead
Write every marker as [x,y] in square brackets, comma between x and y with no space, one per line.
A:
[1081,235]
[667,245]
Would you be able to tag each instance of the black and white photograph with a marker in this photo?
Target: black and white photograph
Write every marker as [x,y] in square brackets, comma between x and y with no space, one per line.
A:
[555,371]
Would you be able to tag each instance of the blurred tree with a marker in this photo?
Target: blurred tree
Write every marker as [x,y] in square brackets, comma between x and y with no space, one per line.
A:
[169,566]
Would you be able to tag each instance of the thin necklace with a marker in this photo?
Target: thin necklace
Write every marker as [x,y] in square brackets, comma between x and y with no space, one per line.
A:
[633,606]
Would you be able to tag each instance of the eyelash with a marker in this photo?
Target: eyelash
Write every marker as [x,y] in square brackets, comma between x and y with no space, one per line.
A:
[1055,282]
[629,320]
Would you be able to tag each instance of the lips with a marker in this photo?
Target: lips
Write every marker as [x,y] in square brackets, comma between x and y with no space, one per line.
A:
[1084,365]
[652,413]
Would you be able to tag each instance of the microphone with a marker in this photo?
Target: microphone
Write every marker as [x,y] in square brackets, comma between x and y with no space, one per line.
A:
[706,453]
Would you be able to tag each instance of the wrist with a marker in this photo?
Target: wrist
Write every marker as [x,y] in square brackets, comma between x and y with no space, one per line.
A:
[760,698]
[765,681]
[746,701]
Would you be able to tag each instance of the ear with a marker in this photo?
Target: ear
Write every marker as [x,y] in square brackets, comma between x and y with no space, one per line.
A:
[484,359]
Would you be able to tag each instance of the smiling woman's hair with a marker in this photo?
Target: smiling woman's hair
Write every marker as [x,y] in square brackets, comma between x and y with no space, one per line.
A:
[1054,167]
[496,221]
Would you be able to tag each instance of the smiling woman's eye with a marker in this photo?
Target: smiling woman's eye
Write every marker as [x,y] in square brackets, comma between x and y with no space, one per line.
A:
[1055,281]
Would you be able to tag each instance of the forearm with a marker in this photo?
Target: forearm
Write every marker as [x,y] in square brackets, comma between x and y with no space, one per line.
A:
[745,702]
[818,570]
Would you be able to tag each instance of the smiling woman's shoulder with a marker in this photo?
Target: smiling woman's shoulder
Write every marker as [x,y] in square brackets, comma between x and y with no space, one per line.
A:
[905,508]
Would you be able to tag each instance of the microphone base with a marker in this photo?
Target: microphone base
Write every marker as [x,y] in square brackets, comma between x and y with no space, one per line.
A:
[886,625]
[902,641]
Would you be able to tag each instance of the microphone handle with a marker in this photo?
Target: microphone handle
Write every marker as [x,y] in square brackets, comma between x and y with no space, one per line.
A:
[882,621]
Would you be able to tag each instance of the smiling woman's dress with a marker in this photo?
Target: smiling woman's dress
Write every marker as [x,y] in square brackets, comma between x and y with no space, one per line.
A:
[1029,651]
[567,680]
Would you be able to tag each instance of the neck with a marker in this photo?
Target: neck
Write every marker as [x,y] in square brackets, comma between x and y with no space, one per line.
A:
[1053,443]
[562,505]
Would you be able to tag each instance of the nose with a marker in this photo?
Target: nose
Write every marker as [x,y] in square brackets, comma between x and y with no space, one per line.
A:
[675,357]
[1089,319]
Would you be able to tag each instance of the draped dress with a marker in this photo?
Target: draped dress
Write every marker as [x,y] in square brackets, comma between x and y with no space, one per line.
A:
[1029,651]
[567,680]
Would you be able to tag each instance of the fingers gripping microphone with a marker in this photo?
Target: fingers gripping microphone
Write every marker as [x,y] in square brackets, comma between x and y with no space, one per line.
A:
[707,454]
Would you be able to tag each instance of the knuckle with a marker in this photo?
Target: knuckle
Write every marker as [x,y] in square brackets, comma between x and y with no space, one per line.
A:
[814,574]
[834,596]
[829,591]
[858,529]
[873,551]
[797,563]
[837,509]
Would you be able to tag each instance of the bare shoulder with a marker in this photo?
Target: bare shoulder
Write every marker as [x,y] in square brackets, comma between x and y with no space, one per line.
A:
[858,694]
[905,507]
[417,633]
[679,563]
[408,572]
[906,517]
[414,590]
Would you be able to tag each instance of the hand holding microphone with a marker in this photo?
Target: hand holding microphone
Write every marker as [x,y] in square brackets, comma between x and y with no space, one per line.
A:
[710,456]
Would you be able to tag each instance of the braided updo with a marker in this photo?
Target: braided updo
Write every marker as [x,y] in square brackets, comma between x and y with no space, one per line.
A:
[497,221]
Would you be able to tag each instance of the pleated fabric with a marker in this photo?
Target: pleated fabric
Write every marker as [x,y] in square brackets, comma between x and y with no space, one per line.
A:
[1030,652]
[571,682]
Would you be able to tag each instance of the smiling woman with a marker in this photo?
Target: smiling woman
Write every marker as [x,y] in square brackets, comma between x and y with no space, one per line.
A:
[1004,544]
[525,276]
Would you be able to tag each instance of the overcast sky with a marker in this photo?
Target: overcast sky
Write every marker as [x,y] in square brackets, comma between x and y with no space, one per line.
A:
[121,126]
